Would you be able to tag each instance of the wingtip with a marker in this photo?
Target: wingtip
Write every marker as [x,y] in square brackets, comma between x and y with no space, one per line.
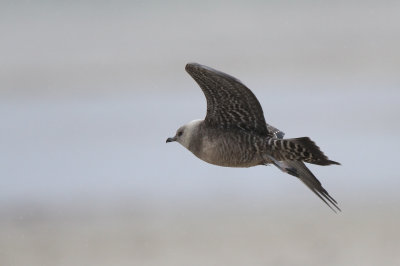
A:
[192,66]
[195,68]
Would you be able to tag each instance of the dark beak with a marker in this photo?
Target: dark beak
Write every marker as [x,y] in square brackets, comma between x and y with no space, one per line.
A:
[170,139]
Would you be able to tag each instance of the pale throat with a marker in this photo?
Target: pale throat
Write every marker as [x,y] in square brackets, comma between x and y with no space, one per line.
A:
[190,130]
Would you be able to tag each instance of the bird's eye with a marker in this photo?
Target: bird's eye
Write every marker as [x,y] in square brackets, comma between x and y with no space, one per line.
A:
[180,133]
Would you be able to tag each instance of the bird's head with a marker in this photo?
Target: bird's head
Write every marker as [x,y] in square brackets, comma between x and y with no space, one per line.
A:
[185,133]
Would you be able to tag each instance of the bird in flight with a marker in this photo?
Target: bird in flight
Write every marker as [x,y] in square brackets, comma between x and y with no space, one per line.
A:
[234,133]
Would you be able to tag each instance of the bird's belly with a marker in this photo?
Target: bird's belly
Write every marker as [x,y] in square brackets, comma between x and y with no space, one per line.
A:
[234,163]
[222,154]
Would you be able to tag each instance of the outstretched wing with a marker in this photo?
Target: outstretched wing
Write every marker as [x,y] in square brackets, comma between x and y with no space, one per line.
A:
[230,104]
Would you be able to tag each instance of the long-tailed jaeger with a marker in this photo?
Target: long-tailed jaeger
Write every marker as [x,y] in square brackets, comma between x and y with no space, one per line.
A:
[234,133]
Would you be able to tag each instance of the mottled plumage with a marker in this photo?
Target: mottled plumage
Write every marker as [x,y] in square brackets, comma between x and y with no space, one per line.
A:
[230,104]
[235,134]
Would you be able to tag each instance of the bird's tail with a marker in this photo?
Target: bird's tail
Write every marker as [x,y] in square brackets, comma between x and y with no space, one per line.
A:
[298,149]
[300,170]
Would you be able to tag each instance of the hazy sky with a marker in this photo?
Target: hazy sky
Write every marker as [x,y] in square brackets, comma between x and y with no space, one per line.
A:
[90,91]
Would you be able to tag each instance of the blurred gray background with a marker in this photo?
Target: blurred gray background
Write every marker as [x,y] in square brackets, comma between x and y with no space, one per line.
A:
[90,90]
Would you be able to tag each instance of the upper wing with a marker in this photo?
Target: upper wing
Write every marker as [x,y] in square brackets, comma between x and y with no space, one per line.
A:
[230,104]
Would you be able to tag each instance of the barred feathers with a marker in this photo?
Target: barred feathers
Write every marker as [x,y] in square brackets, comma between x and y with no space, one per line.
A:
[298,149]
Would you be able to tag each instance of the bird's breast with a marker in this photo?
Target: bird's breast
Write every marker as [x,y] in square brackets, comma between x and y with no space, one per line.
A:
[228,150]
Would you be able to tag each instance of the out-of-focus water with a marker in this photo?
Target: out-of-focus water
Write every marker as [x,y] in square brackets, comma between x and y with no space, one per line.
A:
[90,90]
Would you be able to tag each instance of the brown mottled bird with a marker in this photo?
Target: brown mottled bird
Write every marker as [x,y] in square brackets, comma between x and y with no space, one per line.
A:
[234,133]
